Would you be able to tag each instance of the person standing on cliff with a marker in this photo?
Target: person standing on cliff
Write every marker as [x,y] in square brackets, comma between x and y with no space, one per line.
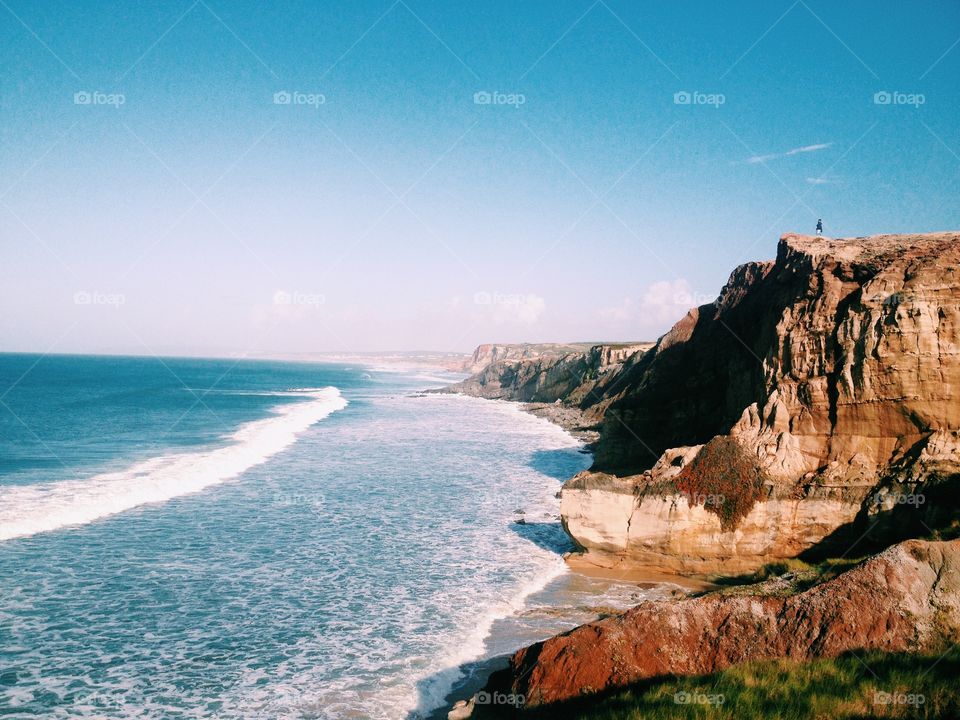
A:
[819,226]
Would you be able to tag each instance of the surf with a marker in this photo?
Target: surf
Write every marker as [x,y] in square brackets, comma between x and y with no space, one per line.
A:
[27,510]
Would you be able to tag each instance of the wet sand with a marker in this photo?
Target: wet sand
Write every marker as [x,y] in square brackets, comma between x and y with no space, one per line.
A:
[626,572]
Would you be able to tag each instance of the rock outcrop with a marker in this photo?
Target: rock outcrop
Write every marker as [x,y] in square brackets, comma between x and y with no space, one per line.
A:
[907,598]
[828,379]
[573,374]
[490,353]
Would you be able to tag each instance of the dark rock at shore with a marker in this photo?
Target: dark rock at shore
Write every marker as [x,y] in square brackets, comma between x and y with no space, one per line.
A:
[907,598]
[566,384]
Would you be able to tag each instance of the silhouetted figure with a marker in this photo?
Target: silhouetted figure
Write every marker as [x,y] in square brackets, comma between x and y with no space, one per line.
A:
[819,227]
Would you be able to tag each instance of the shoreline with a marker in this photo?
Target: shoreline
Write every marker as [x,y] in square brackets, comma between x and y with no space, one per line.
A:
[567,601]
[604,567]
[571,419]
[583,563]
[584,592]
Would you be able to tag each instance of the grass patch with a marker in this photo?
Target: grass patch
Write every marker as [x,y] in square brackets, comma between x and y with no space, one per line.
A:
[854,685]
[800,575]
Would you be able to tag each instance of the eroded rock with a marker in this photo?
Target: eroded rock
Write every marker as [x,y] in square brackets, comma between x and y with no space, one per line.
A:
[906,598]
[835,367]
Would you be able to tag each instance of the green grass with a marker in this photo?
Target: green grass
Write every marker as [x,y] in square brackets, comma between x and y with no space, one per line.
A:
[850,686]
[801,576]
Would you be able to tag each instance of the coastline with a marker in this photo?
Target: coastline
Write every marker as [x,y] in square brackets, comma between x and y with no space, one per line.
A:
[567,601]
[574,421]
[571,419]
[579,593]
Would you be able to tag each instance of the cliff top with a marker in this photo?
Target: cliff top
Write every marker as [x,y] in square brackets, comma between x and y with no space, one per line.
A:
[873,247]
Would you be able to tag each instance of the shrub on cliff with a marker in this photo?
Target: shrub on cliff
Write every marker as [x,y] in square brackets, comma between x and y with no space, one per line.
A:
[724,478]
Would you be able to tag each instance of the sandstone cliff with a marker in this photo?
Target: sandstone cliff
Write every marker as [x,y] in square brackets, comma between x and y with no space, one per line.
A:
[907,598]
[812,409]
[817,398]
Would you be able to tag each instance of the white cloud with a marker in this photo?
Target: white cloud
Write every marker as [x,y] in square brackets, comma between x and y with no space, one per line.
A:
[617,313]
[500,308]
[661,305]
[808,148]
[533,309]
[795,151]
[666,301]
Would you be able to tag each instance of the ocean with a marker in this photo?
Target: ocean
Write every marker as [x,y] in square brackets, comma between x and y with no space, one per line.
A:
[197,538]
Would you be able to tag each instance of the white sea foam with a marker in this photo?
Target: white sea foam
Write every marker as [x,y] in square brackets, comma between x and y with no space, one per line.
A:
[435,686]
[373,608]
[31,509]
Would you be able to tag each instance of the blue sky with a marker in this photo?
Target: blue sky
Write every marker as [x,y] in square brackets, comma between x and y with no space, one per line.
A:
[444,173]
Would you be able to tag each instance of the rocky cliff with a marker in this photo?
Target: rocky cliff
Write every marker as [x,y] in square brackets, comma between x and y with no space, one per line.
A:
[490,353]
[907,598]
[813,409]
[576,375]
[817,398]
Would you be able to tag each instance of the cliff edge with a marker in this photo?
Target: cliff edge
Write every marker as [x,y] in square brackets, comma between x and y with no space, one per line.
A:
[818,398]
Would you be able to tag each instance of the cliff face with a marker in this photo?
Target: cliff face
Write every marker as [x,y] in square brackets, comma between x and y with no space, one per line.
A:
[491,353]
[848,346]
[907,598]
[813,405]
[833,371]
[574,374]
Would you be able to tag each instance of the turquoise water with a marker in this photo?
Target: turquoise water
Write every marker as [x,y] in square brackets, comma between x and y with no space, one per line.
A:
[206,538]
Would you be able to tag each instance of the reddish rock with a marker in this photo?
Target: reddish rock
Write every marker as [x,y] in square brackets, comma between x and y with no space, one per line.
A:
[907,598]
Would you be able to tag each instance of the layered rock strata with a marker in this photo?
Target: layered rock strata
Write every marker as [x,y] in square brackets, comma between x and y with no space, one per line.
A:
[834,373]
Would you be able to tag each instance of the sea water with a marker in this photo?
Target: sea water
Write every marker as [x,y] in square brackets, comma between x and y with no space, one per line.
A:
[185,538]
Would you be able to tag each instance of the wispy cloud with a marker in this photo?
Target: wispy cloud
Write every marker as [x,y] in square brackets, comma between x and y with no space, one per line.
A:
[795,151]
[820,181]
[809,148]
